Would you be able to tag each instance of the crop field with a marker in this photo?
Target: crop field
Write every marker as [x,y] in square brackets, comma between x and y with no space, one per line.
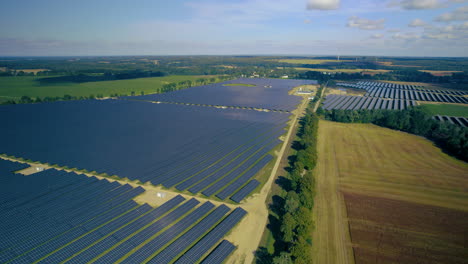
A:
[440,73]
[447,109]
[199,149]
[15,87]
[306,61]
[365,71]
[387,197]
[270,94]
[58,217]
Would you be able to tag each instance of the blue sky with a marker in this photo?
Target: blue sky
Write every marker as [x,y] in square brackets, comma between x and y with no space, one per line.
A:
[180,27]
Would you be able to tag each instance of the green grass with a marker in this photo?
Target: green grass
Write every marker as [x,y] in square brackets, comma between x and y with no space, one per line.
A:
[12,88]
[446,109]
[239,84]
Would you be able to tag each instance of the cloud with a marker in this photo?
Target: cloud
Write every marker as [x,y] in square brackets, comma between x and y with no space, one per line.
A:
[406,36]
[417,23]
[323,4]
[366,24]
[459,14]
[307,21]
[377,36]
[419,4]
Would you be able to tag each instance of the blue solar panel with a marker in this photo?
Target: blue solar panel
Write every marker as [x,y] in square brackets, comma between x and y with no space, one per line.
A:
[245,191]
[184,241]
[268,93]
[161,240]
[193,138]
[232,187]
[220,253]
[207,242]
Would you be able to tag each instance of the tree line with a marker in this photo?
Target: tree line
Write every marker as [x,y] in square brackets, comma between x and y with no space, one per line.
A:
[451,138]
[290,220]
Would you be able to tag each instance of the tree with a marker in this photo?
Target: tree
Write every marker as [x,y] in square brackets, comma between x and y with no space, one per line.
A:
[283,258]
[288,225]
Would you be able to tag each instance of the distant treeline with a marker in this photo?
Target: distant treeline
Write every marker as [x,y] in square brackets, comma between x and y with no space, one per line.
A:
[402,75]
[451,138]
[108,76]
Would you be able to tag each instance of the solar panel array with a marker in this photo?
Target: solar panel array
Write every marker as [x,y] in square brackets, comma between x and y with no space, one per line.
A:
[220,253]
[408,92]
[186,147]
[455,120]
[59,217]
[267,94]
[345,102]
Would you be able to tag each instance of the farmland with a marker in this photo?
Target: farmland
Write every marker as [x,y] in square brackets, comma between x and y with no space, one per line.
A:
[446,109]
[15,87]
[387,197]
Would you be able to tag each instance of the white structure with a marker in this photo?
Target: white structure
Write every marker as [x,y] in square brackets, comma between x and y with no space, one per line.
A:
[161,195]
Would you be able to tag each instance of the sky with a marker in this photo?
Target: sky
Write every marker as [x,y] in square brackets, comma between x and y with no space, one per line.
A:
[429,28]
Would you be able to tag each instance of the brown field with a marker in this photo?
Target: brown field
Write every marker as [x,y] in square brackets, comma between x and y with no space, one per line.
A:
[386,196]
[440,73]
[35,71]
[345,91]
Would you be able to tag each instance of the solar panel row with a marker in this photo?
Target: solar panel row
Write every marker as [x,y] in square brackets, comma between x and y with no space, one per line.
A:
[220,253]
[233,186]
[267,94]
[454,120]
[89,226]
[164,144]
[408,92]
[244,191]
[359,102]
[208,241]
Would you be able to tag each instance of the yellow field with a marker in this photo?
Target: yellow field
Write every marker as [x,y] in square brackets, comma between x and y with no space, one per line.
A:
[342,70]
[440,73]
[364,168]
[306,61]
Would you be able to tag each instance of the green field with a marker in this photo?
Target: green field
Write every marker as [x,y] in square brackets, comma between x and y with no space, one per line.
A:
[12,88]
[446,109]
[239,84]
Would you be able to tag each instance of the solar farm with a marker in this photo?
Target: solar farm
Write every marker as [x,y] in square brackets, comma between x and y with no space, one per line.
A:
[390,96]
[271,94]
[113,151]
[454,120]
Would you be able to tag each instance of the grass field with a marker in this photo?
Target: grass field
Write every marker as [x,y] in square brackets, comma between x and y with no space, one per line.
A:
[387,197]
[12,88]
[446,109]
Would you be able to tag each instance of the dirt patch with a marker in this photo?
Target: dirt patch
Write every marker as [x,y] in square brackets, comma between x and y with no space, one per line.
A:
[393,231]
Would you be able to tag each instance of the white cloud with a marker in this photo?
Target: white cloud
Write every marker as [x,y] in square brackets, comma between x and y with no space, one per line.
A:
[366,24]
[418,4]
[417,23]
[406,36]
[459,14]
[377,36]
[323,4]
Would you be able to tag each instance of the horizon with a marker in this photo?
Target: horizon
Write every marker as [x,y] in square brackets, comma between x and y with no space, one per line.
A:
[393,28]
